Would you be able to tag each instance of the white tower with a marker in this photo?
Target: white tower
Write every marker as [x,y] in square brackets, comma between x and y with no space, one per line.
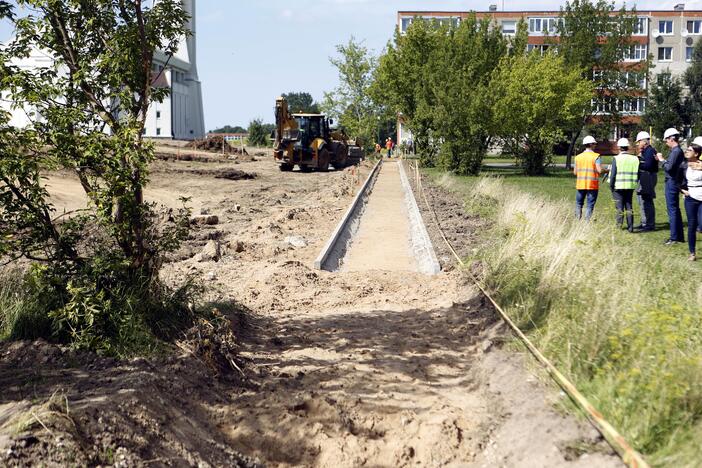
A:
[180,116]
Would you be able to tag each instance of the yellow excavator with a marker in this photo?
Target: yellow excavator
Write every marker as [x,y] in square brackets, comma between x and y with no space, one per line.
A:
[307,141]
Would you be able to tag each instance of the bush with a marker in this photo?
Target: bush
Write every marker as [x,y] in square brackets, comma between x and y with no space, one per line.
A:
[118,321]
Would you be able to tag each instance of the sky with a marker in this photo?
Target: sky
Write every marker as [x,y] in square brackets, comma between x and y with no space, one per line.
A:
[251,51]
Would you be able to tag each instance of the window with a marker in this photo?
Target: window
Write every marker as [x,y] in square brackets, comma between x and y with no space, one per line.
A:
[641,27]
[663,78]
[541,48]
[688,54]
[544,25]
[633,106]
[509,27]
[694,27]
[451,22]
[635,53]
[665,54]
[665,28]
[158,114]
[158,131]
[606,105]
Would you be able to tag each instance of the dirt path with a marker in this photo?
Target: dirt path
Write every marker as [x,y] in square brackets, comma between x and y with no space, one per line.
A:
[377,367]
[383,239]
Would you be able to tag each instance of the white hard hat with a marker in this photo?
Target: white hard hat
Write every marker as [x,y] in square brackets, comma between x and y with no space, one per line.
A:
[623,142]
[670,132]
[697,141]
[588,140]
[642,136]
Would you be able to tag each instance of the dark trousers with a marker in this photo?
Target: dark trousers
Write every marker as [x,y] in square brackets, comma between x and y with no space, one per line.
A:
[693,208]
[580,196]
[672,201]
[623,200]
[646,202]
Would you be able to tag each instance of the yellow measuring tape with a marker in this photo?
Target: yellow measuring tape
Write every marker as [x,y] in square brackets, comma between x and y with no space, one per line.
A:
[630,456]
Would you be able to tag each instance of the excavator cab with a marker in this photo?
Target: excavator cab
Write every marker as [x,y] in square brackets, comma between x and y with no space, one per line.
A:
[311,127]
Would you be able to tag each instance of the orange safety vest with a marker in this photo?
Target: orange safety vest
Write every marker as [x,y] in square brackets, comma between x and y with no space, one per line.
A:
[586,171]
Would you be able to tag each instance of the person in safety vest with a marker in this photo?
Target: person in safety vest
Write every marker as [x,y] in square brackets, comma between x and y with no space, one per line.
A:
[648,178]
[673,180]
[588,167]
[623,180]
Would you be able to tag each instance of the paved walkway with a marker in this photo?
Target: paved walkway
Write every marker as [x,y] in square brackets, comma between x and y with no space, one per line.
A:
[383,238]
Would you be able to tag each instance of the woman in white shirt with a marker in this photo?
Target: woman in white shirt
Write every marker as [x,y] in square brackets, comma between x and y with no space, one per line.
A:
[692,189]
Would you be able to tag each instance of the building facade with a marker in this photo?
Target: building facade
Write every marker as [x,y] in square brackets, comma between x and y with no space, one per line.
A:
[180,115]
[668,36]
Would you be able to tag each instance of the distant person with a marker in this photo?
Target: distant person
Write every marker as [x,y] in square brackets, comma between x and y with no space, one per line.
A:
[388,146]
[648,178]
[410,146]
[377,149]
[691,188]
[623,180]
[588,167]
[673,180]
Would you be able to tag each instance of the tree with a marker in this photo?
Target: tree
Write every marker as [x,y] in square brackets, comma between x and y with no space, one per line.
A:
[259,133]
[87,108]
[229,129]
[402,83]
[595,38]
[460,72]
[536,99]
[693,80]
[436,77]
[301,103]
[665,107]
[351,103]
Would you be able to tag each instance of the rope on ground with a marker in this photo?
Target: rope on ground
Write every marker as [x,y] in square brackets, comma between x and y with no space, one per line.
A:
[628,455]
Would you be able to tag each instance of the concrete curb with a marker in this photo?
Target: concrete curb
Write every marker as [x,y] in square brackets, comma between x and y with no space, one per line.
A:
[419,237]
[336,246]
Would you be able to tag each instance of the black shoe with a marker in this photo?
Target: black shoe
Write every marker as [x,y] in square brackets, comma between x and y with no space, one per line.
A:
[640,227]
[672,242]
[643,229]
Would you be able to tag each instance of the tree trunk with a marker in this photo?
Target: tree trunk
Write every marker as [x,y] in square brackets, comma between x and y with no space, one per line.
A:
[571,149]
[573,142]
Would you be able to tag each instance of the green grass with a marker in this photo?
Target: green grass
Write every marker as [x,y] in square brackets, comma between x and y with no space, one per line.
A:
[619,313]
[493,159]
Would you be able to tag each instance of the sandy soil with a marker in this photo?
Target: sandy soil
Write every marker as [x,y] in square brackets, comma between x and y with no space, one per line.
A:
[381,367]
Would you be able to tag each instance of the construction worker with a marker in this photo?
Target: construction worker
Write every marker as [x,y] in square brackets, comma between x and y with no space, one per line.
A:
[673,180]
[623,180]
[691,188]
[588,167]
[388,146]
[648,178]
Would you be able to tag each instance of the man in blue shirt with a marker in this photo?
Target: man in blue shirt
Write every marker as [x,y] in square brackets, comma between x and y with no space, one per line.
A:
[673,181]
[648,178]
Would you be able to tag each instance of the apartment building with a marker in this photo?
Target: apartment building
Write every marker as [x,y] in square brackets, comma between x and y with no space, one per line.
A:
[667,35]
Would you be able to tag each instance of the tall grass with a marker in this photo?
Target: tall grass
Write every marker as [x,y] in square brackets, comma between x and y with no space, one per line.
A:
[22,316]
[620,317]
